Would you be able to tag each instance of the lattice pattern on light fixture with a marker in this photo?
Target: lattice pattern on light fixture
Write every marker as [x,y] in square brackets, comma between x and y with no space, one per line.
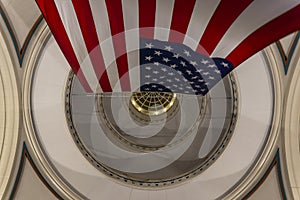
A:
[152,103]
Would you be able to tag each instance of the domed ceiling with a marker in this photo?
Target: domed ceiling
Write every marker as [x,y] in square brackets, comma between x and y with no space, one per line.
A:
[146,100]
[198,140]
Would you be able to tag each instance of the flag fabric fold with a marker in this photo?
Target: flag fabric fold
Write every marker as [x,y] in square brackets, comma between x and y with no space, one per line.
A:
[164,45]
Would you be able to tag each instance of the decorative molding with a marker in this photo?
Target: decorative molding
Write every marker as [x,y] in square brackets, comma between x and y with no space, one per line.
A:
[26,156]
[9,113]
[291,127]
[20,50]
[31,57]
[271,145]
[275,163]
[286,59]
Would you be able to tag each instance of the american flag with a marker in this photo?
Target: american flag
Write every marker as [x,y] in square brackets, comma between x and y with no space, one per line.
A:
[101,39]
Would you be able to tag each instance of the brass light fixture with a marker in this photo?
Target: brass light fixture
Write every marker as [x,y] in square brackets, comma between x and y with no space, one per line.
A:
[152,103]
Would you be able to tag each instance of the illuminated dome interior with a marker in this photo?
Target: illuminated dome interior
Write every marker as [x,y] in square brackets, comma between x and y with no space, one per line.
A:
[240,140]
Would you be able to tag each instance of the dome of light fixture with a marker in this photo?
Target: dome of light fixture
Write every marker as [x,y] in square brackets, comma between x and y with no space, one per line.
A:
[152,103]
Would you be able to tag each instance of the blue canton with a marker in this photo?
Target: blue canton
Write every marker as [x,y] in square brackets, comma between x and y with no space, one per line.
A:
[173,67]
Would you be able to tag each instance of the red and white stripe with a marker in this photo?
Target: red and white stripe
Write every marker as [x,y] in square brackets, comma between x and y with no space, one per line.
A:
[199,21]
[100,38]
[131,24]
[101,20]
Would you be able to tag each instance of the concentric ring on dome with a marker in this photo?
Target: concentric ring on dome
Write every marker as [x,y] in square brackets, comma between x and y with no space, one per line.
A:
[162,176]
[116,135]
